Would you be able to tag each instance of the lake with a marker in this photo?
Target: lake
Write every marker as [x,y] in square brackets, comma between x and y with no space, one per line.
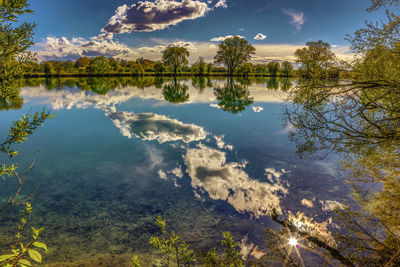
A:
[208,155]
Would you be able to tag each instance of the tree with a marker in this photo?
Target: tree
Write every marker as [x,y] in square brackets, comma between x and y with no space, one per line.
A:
[273,68]
[48,68]
[14,42]
[316,58]
[286,68]
[159,68]
[210,68]
[82,62]
[175,57]
[200,67]
[245,69]
[233,52]
[98,65]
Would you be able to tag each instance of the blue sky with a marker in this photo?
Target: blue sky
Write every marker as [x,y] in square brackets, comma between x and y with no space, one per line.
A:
[147,27]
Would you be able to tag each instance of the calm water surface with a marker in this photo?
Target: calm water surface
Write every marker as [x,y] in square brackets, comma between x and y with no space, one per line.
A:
[207,155]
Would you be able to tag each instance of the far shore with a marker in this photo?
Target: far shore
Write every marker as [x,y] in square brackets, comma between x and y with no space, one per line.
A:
[151,74]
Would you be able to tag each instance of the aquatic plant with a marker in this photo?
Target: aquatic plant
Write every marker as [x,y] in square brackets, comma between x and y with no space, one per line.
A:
[20,253]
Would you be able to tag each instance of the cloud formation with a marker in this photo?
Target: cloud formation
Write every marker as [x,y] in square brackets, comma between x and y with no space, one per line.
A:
[150,127]
[221,3]
[62,48]
[146,16]
[260,37]
[222,38]
[210,172]
[298,18]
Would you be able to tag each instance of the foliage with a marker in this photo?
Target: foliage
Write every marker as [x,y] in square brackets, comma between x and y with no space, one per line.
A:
[233,52]
[175,92]
[14,42]
[175,58]
[316,59]
[360,119]
[159,68]
[98,65]
[135,261]
[200,67]
[245,69]
[233,97]
[171,245]
[286,68]
[273,68]
[19,251]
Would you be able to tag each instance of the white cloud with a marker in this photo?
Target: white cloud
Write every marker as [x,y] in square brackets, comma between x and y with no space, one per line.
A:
[150,127]
[257,109]
[222,38]
[221,3]
[62,48]
[146,16]
[298,18]
[259,37]
[162,174]
[210,172]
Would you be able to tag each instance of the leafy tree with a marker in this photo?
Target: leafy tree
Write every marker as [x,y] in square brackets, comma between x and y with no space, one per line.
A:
[82,62]
[200,67]
[286,68]
[361,120]
[316,58]
[245,69]
[210,68]
[15,39]
[98,65]
[69,66]
[273,68]
[233,52]
[135,68]
[175,58]
[159,68]
[48,68]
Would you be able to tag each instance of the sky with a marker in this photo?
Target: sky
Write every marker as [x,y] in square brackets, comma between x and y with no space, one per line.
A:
[69,29]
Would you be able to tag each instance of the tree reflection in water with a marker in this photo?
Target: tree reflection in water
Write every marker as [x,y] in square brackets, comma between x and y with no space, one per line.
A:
[360,121]
[175,92]
[233,97]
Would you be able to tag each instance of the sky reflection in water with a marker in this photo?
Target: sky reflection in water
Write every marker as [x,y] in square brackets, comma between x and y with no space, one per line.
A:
[112,162]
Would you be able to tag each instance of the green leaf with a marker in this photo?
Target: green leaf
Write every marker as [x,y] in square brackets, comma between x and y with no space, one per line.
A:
[7,257]
[36,256]
[24,263]
[40,245]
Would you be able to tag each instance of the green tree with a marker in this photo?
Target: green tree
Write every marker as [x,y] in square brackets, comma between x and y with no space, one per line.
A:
[286,68]
[233,52]
[98,65]
[15,39]
[159,68]
[210,68]
[273,68]
[316,59]
[245,69]
[175,58]
[200,67]
[82,62]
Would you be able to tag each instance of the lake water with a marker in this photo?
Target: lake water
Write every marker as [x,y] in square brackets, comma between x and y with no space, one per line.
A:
[207,155]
